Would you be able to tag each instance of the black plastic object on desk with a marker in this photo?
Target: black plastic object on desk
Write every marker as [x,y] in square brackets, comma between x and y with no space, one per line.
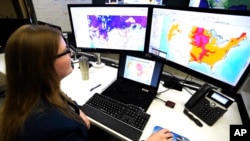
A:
[125,119]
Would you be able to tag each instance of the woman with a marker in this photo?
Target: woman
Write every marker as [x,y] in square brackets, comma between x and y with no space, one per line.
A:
[35,108]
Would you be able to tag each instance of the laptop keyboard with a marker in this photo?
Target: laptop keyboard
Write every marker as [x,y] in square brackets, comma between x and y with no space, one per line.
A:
[130,90]
[129,94]
[126,119]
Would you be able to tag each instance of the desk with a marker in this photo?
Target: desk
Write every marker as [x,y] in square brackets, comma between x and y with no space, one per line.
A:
[173,119]
[79,90]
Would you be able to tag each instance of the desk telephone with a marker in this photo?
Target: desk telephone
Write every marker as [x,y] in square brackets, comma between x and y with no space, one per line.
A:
[208,104]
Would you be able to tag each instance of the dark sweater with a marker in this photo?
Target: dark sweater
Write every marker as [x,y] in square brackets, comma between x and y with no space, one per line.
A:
[49,124]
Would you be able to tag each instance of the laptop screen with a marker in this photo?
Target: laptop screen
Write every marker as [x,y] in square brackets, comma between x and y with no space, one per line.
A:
[140,70]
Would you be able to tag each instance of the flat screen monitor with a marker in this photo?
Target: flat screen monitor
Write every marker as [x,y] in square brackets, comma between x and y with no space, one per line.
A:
[212,45]
[109,28]
[221,4]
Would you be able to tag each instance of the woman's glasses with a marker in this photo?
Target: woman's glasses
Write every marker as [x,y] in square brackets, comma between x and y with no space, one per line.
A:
[67,51]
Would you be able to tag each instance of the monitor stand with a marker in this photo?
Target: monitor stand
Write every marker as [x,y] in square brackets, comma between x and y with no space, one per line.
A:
[98,63]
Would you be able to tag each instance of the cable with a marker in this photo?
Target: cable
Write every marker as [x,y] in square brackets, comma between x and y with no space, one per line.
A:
[168,103]
[188,91]
[163,91]
[183,81]
[160,99]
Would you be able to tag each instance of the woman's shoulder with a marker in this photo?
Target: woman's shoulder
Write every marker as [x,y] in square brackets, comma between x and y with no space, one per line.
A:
[51,124]
[50,116]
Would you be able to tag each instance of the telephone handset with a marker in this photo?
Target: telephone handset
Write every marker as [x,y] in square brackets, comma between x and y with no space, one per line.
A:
[198,95]
[208,104]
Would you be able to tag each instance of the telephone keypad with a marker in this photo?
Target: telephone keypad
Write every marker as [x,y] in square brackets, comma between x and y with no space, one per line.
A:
[208,112]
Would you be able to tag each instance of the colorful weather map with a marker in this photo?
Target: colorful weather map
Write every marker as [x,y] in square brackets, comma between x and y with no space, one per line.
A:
[207,46]
[139,70]
[117,32]
[216,49]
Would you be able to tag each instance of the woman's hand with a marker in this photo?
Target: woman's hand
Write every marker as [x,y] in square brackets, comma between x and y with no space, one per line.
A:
[85,118]
[162,135]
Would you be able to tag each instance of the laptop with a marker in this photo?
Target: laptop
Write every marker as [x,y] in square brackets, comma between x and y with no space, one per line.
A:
[137,81]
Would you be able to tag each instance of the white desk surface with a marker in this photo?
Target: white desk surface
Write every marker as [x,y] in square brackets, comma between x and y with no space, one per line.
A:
[79,89]
[173,119]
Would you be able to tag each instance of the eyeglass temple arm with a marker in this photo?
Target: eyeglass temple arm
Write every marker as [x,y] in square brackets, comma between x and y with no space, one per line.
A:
[72,48]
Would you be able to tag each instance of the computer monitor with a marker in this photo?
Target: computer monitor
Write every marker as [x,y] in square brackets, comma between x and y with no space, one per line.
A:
[210,44]
[109,28]
[7,27]
[221,4]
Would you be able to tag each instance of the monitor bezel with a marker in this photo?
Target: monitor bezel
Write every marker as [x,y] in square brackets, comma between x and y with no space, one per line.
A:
[225,87]
[116,51]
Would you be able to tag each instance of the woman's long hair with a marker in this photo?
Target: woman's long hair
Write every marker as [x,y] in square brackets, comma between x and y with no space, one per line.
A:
[30,54]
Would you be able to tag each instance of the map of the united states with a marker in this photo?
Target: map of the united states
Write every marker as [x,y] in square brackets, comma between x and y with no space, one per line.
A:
[207,46]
